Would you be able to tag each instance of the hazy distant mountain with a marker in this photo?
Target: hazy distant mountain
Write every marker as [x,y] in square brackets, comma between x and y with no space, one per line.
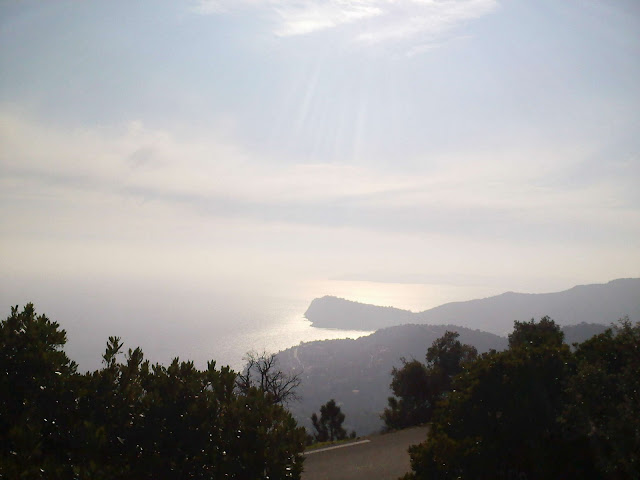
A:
[333,312]
[357,373]
[599,303]
[581,332]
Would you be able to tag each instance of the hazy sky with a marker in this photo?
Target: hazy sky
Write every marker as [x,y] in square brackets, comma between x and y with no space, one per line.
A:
[261,144]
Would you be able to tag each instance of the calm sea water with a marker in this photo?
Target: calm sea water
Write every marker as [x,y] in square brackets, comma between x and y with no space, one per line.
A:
[272,324]
[200,323]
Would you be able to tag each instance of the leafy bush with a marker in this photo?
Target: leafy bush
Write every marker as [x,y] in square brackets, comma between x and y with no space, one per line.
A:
[131,419]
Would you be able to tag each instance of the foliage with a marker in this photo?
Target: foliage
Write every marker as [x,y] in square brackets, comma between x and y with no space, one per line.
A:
[329,425]
[604,406]
[413,385]
[500,418]
[130,419]
[419,387]
[262,372]
[34,403]
[539,411]
[534,334]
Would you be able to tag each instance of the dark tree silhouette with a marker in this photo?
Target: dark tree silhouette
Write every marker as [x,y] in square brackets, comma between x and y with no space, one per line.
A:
[603,400]
[500,419]
[533,334]
[261,372]
[36,404]
[419,387]
[329,425]
[131,419]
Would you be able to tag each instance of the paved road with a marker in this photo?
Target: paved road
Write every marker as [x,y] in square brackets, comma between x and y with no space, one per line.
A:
[383,457]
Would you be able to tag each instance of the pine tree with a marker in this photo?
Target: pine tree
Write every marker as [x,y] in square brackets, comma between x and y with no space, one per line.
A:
[329,425]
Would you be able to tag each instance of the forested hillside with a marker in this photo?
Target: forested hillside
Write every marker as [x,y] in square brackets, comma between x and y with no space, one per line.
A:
[357,373]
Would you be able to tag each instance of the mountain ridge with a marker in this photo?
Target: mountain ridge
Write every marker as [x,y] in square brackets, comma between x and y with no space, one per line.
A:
[590,303]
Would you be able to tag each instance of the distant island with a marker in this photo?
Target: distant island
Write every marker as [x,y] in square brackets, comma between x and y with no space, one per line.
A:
[597,303]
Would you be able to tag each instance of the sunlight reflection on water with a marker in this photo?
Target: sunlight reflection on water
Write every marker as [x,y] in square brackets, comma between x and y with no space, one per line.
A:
[222,325]
[279,328]
[275,324]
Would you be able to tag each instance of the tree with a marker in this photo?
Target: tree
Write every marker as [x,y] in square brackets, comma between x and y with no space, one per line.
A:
[412,385]
[131,419]
[448,354]
[533,334]
[539,411]
[262,372]
[329,425]
[500,419]
[35,400]
[602,411]
[419,387]
[152,421]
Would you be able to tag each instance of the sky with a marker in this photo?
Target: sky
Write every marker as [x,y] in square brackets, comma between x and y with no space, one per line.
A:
[193,149]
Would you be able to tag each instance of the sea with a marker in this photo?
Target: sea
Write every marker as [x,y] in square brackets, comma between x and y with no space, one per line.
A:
[203,325]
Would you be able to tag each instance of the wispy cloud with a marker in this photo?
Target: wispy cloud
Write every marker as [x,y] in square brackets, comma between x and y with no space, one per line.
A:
[425,19]
[133,200]
[468,192]
[298,17]
[373,21]
[309,16]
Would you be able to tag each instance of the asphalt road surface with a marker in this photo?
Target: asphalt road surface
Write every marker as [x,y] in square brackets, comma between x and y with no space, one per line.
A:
[378,457]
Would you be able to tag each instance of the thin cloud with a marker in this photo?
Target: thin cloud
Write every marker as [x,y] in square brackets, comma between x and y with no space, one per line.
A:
[135,202]
[214,177]
[373,21]
[292,18]
[427,20]
[311,16]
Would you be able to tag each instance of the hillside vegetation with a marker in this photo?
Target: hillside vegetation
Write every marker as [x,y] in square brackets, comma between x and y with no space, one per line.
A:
[357,373]
[537,410]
